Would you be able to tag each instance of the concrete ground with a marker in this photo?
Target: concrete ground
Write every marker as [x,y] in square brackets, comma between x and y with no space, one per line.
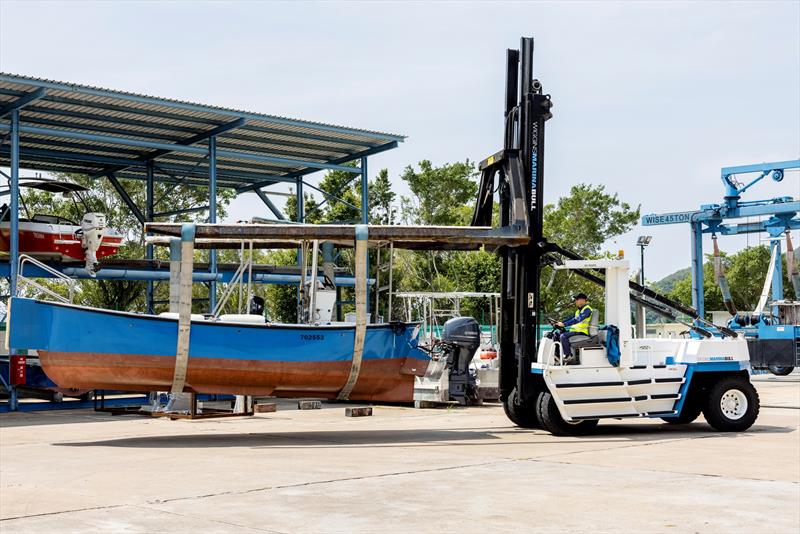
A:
[401,470]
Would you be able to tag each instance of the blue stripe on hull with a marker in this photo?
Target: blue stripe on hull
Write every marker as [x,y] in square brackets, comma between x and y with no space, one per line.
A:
[65,328]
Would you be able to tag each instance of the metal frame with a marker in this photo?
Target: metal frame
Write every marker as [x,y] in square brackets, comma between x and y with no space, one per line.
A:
[783,213]
[121,136]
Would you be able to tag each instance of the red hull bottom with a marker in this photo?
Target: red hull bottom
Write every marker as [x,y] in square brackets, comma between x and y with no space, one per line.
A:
[388,380]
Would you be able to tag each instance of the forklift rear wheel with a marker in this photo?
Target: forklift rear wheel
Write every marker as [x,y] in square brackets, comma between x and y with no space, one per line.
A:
[523,415]
[690,411]
[732,404]
[780,370]
[552,421]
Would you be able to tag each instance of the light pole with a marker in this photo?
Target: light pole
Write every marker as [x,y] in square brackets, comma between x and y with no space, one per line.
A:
[641,326]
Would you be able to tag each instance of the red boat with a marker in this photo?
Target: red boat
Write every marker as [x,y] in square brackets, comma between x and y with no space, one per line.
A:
[52,237]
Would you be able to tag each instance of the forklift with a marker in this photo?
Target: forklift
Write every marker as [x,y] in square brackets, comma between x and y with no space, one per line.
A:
[616,375]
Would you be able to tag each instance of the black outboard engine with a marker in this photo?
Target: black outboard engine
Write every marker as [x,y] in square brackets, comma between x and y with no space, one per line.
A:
[461,338]
[256,305]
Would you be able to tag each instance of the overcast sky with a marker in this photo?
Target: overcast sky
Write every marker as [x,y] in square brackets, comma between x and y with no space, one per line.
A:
[651,99]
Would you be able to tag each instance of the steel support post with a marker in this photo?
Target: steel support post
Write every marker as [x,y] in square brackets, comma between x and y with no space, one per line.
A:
[365,216]
[777,276]
[14,237]
[300,259]
[698,300]
[641,327]
[212,216]
[149,209]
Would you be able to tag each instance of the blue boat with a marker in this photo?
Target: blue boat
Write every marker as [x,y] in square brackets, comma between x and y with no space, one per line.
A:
[81,347]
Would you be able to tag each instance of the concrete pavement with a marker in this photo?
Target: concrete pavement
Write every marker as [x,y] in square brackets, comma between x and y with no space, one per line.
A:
[401,470]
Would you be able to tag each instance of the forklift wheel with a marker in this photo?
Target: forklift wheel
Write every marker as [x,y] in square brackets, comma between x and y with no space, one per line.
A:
[732,404]
[690,411]
[552,421]
[521,415]
[780,370]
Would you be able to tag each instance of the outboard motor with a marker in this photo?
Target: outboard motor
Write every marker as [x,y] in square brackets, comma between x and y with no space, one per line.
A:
[256,305]
[461,338]
[93,225]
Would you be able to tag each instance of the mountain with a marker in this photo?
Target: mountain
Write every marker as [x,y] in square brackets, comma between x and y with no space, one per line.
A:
[665,285]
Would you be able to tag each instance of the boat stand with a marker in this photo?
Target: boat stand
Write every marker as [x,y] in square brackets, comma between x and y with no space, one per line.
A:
[235,410]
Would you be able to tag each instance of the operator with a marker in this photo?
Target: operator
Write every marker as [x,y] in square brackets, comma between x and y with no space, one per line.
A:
[575,325]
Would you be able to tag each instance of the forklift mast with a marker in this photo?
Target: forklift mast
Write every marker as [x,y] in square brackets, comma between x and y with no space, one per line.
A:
[518,170]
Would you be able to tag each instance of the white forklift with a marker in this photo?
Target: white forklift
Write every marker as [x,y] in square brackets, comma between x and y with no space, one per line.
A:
[616,376]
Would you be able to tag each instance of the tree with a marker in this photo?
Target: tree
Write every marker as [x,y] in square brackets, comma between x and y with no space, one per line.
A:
[440,195]
[745,270]
[381,199]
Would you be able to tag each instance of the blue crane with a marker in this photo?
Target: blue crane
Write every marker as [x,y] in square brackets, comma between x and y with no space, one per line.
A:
[773,335]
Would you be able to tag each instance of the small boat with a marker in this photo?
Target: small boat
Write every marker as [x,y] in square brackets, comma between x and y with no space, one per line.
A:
[52,237]
[81,347]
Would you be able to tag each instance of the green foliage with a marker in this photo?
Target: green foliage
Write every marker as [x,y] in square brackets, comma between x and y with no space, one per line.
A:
[439,194]
[582,222]
[381,199]
[281,300]
[586,218]
[745,270]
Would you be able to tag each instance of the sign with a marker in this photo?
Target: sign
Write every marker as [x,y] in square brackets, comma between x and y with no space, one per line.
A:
[668,218]
[17,370]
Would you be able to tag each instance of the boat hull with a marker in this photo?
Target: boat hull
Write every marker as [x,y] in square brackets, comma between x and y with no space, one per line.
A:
[99,349]
[54,241]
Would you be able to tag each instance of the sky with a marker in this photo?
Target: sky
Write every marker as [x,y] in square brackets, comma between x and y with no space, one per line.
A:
[651,99]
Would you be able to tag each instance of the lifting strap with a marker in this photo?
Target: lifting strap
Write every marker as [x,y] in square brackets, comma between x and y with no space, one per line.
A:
[792,259]
[184,308]
[722,279]
[362,237]
[762,302]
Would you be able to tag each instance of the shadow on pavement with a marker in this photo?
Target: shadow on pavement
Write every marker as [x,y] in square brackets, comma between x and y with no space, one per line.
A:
[605,433]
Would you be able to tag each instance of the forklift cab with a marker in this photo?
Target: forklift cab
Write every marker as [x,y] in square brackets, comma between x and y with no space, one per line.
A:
[591,350]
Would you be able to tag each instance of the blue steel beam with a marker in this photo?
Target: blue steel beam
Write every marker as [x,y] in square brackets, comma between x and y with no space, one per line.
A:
[761,167]
[272,207]
[14,202]
[329,196]
[187,106]
[180,212]
[126,198]
[230,138]
[202,136]
[177,148]
[13,247]
[320,140]
[149,200]
[212,217]
[343,159]
[131,163]
[22,101]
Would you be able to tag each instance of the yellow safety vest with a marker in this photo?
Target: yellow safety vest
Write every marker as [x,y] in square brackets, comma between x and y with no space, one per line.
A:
[583,326]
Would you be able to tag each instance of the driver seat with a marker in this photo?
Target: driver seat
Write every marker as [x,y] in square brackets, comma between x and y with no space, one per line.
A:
[592,340]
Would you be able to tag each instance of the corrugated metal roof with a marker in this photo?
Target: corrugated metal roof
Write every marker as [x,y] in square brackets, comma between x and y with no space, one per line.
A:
[91,130]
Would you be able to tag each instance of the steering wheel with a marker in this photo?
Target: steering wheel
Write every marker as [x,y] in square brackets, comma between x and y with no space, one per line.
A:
[557,330]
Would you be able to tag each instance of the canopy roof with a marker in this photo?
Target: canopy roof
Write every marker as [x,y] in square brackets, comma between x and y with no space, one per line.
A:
[82,129]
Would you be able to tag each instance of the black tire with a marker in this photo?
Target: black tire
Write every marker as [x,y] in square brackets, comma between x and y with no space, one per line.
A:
[779,370]
[691,410]
[522,415]
[552,421]
[732,404]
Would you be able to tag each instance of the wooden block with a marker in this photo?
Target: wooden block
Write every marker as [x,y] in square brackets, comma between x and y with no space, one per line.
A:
[265,407]
[361,411]
[309,405]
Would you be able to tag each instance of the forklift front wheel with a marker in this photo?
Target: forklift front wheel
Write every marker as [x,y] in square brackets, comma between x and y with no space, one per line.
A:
[523,415]
[732,404]
[552,421]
